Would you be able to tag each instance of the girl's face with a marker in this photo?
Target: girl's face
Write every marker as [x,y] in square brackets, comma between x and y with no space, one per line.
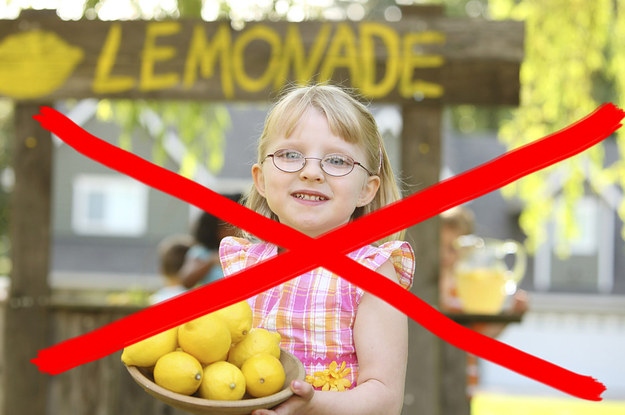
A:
[310,200]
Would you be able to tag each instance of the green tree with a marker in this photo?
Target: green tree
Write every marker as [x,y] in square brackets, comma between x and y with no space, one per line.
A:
[575,55]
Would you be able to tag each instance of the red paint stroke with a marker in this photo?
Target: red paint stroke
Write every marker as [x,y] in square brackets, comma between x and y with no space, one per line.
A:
[330,249]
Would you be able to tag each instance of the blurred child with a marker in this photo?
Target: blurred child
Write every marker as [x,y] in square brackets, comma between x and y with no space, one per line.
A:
[322,163]
[171,252]
[456,222]
[202,264]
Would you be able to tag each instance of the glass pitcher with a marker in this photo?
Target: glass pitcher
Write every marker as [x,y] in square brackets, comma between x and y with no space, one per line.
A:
[483,278]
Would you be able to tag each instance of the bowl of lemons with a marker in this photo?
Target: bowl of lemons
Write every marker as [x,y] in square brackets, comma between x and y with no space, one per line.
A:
[216,364]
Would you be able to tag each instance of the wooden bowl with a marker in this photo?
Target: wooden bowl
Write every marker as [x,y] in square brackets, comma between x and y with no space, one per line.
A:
[293,368]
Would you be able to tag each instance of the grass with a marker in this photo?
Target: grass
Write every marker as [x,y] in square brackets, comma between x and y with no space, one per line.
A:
[500,404]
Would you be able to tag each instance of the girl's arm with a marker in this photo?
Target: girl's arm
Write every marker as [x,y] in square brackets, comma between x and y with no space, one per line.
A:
[381,338]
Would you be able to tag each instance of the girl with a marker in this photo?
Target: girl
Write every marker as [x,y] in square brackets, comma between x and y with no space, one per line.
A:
[201,265]
[322,163]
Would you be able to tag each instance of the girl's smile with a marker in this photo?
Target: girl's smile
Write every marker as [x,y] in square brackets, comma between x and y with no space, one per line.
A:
[310,197]
[309,200]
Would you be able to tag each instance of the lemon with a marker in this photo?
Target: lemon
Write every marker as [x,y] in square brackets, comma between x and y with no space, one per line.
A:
[222,381]
[257,341]
[264,375]
[238,317]
[207,338]
[146,352]
[178,372]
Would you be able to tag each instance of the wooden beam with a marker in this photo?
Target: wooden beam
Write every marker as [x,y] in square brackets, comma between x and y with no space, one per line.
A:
[425,58]
[27,326]
[422,10]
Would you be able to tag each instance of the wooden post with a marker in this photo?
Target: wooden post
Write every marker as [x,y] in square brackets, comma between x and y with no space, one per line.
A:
[454,400]
[420,167]
[27,326]
[436,380]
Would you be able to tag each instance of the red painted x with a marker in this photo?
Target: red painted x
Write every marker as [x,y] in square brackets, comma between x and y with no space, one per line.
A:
[330,249]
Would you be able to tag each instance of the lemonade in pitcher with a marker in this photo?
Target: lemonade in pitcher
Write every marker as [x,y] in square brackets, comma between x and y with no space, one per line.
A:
[482,290]
[483,279]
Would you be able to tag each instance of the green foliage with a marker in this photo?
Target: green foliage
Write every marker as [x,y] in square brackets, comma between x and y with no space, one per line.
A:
[200,127]
[616,173]
[190,8]
[571,66]
[470,118]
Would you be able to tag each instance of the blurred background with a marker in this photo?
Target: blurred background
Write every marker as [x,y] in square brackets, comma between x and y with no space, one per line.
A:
[569,217]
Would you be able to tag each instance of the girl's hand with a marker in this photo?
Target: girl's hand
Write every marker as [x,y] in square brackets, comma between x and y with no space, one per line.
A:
[294,405]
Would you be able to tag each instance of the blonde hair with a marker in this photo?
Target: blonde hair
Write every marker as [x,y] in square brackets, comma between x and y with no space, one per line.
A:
[349,119]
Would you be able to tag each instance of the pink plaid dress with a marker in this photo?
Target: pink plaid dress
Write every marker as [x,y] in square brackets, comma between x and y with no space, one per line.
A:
[315,312]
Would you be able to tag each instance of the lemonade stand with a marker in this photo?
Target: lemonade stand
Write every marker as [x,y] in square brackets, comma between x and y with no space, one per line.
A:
[422,63]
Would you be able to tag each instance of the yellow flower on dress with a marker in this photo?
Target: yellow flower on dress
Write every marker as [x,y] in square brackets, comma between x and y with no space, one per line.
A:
[331,379]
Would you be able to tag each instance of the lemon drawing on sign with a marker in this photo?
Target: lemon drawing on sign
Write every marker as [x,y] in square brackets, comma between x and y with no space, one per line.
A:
[35,63]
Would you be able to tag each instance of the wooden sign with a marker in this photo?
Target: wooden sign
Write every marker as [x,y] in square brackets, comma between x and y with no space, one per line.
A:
[429,58]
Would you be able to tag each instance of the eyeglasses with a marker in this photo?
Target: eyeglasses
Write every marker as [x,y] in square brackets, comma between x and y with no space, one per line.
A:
[291,161]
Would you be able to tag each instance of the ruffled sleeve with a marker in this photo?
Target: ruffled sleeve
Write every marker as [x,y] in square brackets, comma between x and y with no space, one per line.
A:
[233,254]
[400,254]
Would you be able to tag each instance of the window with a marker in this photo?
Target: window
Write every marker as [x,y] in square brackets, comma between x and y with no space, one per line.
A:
[109,205]
[589,267]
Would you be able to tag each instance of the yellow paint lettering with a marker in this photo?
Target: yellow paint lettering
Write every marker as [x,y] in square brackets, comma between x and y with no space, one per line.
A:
[205,55]
[293,52]
[257,32]
[152,53]
[104,82]
[428,37]
[423,89]
[368,86]
[342,53]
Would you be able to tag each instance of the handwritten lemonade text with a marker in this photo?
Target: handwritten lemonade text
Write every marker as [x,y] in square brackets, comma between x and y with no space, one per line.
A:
[339,46]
